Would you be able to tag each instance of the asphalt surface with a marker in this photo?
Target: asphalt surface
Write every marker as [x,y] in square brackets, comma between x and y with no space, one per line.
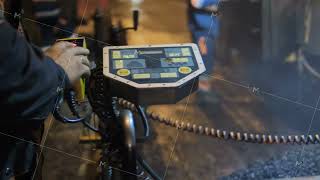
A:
[292,164]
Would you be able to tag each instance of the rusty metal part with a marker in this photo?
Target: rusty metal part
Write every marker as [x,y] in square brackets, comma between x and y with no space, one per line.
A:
[228,135]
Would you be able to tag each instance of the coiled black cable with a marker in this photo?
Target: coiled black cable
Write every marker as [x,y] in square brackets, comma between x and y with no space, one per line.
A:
[70,97]
[228,135]
[58,115]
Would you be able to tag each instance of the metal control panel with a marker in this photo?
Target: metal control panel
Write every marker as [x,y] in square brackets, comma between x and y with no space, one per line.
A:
[137,71]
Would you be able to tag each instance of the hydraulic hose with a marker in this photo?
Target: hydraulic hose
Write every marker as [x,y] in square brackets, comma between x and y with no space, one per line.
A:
[145,123]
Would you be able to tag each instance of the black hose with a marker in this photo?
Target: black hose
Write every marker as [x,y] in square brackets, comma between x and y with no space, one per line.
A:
[57,114]
[145,123]
[72,102]
[146,167]
[94,129]
[88,125]
[70,97]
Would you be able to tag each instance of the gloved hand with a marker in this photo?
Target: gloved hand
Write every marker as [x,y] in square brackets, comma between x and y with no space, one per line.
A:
[57,49]
[72,59]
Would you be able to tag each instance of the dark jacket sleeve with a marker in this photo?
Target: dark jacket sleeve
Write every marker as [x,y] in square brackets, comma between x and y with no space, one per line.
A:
[29,80]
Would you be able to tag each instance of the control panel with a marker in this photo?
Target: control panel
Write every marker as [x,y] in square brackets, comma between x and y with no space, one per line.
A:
[152,67]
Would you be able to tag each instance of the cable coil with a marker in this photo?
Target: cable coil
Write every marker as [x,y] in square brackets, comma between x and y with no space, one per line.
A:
[228,135]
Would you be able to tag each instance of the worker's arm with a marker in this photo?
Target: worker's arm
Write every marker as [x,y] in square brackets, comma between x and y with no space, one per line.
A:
[29,80]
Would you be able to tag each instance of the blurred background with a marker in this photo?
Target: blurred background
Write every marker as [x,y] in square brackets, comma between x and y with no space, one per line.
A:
[262,59]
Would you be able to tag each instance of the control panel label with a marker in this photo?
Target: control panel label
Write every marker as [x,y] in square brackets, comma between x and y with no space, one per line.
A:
[116,54]
[141,76]
[118,64]
[123,72]
[168,75]
[185,70]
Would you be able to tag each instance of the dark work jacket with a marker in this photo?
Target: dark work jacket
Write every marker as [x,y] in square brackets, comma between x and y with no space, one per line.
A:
[28,93]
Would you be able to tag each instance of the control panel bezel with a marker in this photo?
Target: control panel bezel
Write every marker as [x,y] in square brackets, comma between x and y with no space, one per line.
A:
[198,59]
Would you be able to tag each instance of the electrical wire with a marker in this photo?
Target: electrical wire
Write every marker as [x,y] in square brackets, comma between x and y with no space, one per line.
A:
[88,125]
[312,70]
[58,115]
[146,167]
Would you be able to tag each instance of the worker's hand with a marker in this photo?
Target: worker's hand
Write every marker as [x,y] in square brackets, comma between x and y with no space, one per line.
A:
[72,59]
[195,3]
[198,4]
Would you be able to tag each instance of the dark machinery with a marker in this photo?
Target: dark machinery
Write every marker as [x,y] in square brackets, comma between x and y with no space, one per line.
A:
[145,75]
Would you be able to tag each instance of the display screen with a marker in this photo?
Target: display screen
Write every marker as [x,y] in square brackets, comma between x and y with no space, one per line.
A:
[177,52]
[125,54]
[155,73]
[153,64]
[129,63]
[176,62]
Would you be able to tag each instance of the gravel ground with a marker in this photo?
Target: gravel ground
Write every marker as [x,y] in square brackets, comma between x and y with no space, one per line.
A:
[298,163]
